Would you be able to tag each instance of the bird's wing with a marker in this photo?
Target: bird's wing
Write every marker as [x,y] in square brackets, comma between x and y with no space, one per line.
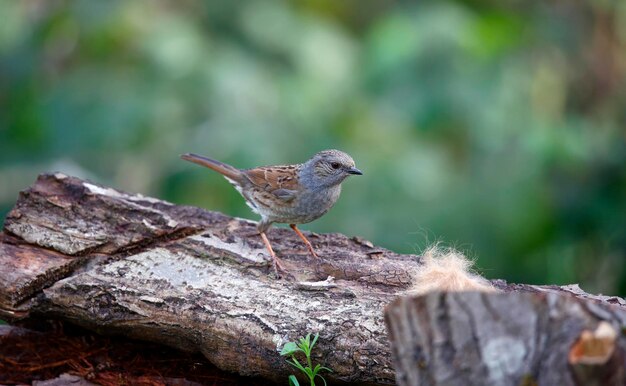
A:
[281,181]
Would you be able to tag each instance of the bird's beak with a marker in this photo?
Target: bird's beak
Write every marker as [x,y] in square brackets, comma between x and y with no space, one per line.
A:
[355,171]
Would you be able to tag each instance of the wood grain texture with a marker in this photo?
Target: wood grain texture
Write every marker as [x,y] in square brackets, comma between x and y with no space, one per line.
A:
[494,339]
[26,269]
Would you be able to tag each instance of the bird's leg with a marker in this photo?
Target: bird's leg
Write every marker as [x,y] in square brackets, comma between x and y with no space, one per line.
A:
[277,264]
[306,241]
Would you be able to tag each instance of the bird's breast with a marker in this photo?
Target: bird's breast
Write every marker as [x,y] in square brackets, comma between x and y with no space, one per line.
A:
[313,204]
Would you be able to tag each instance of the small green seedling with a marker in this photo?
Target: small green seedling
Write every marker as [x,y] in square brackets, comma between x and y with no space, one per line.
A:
[306,346]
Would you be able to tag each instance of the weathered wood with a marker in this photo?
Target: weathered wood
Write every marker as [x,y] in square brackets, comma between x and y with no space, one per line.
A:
[495,339]
[26,269]
[198,280]
[202,281]
[77,217]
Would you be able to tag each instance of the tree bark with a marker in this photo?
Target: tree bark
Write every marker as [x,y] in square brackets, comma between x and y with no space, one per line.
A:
[201,281]
[500,339]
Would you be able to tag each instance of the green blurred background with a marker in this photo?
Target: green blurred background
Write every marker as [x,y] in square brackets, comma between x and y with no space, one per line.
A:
[497,127]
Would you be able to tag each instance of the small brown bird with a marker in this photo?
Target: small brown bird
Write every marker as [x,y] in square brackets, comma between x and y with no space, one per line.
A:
[291,194]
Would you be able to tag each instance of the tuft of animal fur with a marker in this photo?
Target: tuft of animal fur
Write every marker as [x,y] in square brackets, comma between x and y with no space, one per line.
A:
[447,270]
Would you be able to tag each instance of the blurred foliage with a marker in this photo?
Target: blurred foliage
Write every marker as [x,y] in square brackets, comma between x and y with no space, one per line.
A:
[496,127]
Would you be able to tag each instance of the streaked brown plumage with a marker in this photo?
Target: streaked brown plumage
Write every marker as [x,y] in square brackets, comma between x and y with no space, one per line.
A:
[291,194]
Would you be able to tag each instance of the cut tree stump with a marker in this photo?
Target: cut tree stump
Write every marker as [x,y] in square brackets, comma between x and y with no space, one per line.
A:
[501,339]
[196,280]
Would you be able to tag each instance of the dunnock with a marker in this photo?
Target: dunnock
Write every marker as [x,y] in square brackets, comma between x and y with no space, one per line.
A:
[291,194]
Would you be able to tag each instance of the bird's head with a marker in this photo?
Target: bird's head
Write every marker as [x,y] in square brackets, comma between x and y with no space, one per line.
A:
[330,167]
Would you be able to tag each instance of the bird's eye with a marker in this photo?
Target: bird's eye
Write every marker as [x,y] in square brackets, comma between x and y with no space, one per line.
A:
[335,165]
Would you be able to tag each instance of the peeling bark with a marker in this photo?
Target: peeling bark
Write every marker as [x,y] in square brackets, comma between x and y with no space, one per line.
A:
[202,281]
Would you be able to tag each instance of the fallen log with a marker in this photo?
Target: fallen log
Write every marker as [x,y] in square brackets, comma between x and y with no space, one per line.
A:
[196,280]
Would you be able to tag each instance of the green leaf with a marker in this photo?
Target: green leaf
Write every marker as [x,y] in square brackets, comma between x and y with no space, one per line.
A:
[290,348]
[293,381]
[294,362]
[314,340]
[304,345]
[316,369]
[306,341]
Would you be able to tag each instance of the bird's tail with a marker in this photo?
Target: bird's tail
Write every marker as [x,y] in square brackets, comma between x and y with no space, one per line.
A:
[220,167]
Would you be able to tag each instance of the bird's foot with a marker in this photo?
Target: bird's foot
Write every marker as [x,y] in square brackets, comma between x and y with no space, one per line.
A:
[276,262]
